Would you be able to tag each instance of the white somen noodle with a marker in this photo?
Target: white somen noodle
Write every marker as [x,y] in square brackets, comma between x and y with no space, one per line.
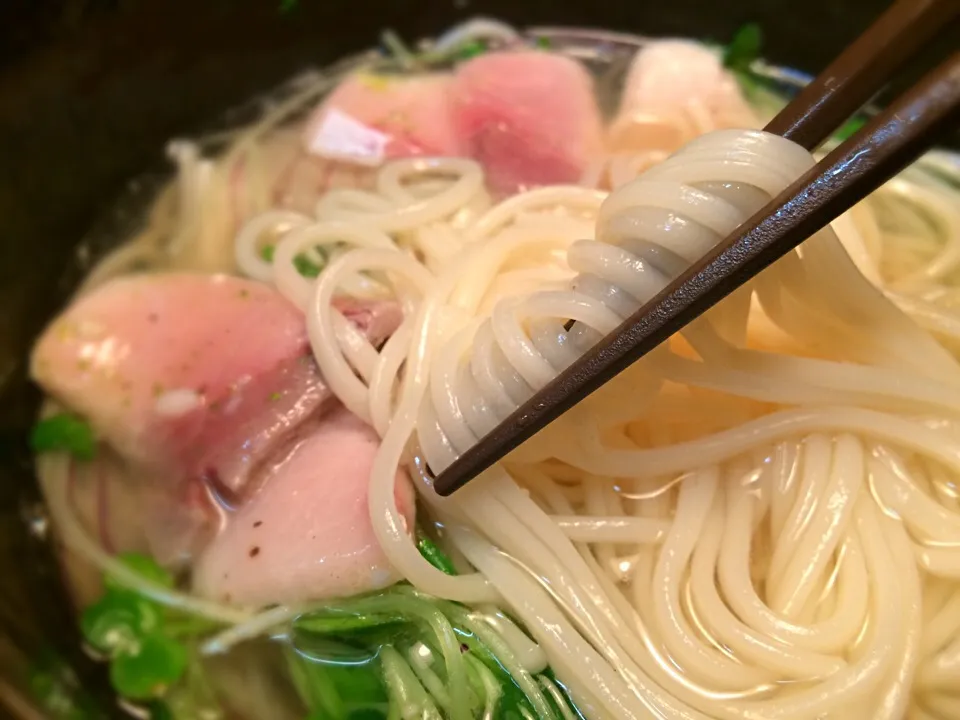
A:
[758,520]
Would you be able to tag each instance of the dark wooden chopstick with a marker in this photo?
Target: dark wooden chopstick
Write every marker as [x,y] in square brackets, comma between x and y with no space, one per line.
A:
[886,144]
[862,69]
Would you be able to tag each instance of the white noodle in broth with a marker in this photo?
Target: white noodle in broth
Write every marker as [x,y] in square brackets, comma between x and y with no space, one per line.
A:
[759,520]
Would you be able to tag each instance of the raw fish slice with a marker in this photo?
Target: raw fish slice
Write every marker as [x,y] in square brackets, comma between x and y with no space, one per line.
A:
[370,118]
[306,533]
[530,118]
[194,380]
[366,120]
[147,359]
[676,90]
[175,371]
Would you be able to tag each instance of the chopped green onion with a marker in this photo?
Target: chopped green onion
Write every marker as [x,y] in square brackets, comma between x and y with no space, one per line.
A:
[147,673]
[744,49]
[129,629]
[306,267]
[118,622]
[543,43]
[64,433]
[145,642]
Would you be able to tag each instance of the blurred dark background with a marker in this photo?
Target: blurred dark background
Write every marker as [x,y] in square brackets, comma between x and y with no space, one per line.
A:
[90,90]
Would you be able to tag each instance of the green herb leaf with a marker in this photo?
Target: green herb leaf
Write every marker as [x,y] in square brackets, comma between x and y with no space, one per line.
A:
[64,433]
[288,5]
[118,623]
[266,252]
[158,663]
[744,49]
[145,566]
[434,555]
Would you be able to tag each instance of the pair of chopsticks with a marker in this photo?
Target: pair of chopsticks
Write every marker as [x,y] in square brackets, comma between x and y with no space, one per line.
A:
[893,139]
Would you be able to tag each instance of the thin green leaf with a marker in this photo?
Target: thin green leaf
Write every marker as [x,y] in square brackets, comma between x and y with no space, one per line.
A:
[434,555]
[335,623]
[64,433]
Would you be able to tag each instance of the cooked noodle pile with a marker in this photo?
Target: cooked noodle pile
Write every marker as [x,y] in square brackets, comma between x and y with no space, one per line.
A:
[724,531]
[758,520]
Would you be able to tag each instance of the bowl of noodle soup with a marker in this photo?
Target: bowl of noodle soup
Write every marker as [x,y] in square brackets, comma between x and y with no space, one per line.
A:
[312,306]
